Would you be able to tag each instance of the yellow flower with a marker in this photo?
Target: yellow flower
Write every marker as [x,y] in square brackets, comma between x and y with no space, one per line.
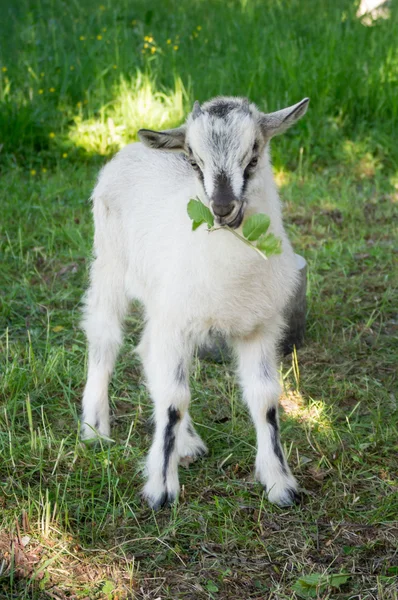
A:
[78,104]
[33,172]
[153,49]
[82,38]
[65,155]
[41,91]
[146,45]
[52,90]
[99,37]
[44,170]
[115,66]
[72,68]
[199,27]
[51,135]
[168,41]
[4,69]
[175,47]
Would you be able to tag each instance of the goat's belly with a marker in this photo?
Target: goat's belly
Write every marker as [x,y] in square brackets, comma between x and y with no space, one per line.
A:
[236,304]
[238,313]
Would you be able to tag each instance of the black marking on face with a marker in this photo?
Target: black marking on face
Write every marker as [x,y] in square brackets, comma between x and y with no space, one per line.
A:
[169,437]
[246,177]
[180,374]
[250,167]
[273,421]
[223,195]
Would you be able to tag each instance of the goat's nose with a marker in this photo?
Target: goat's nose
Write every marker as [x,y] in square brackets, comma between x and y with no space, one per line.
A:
[222,210]
[223,198]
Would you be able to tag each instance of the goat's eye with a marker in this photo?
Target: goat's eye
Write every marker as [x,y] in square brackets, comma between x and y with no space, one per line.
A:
[194,164]
[253,162]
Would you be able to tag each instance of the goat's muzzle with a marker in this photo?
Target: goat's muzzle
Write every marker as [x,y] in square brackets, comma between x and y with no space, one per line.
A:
[230,215]
[227,208]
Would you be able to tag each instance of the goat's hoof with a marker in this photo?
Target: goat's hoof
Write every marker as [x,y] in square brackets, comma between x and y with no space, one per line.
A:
[159,495]
[292,497]
[90,433]
[163,501]
[287,497]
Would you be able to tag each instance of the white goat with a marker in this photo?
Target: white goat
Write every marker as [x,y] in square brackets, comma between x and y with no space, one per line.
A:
[191,282]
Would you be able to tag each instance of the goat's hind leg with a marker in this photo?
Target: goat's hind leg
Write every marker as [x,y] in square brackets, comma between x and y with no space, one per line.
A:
[261,390]
[105,308]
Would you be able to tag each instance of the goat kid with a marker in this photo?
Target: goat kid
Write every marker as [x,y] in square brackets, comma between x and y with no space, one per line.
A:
[191,283]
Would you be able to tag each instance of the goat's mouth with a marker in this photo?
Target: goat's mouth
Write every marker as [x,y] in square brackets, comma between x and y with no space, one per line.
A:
[234,219]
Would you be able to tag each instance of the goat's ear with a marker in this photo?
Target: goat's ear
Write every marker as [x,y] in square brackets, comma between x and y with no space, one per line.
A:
[170,139]
[279,121]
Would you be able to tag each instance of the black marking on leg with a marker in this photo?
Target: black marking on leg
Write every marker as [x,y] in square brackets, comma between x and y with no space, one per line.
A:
[272,420]
[180,374]
[191,430]
[169,437]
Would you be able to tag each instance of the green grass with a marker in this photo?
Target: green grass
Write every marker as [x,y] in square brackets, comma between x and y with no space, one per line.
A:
[72,524]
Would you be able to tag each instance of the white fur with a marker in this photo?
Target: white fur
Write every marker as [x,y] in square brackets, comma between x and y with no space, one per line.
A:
[190,282]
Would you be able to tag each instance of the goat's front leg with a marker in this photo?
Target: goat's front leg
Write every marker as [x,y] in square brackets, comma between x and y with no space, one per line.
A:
[261,390]
[166,360]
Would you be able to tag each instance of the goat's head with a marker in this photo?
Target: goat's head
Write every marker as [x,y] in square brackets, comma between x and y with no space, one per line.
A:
[224,140]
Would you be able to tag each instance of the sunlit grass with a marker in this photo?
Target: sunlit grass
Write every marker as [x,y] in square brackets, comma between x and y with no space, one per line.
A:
[136,104]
